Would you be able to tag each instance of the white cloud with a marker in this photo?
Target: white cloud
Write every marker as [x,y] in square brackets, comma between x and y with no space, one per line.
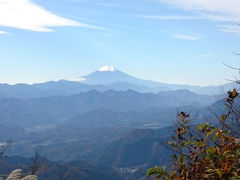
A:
[100,44]
[229,29]
[217,10]
[3,32]
[24,14]
[186,37]
[169,17]
[197,16]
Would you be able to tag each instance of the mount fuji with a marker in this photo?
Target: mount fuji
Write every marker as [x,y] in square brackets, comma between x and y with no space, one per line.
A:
[116,79]
[105,78]
[107,75]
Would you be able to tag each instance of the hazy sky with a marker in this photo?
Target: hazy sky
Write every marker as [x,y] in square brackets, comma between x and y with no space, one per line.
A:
[173,41]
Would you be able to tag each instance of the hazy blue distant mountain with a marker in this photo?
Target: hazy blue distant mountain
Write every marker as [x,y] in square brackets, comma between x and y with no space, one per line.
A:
[151,118]
[48,89]
[25,91]
[69,87]
[137,148]
[73,87]
[122,86]
[109,75]
[3,96]
[64,87]
[50,110]
[106,78]
[210,90]
[78,137]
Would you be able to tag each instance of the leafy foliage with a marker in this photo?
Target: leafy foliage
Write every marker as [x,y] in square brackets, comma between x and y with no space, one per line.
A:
[205,151]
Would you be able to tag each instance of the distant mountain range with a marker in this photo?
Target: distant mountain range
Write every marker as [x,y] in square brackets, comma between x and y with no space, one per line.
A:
[50,110]
[138,147]
[106,78]
[106,117]
[109,75]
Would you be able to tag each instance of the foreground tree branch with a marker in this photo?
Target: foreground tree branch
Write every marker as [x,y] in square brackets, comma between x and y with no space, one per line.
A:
[205,151]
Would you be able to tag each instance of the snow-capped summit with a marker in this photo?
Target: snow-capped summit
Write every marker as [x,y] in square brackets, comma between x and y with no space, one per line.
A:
[107,68]
[108,75]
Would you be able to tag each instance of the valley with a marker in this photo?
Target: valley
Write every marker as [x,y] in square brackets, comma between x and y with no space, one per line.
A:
[71,121]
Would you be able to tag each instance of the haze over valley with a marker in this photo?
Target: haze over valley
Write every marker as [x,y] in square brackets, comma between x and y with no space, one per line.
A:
[119,90]
[109,111]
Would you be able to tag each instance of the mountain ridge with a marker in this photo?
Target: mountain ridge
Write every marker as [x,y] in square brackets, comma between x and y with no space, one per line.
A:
[109,78]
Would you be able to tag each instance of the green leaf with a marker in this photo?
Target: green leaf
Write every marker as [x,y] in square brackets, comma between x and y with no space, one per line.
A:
[172,173]
[184,131]
[209,133]
[156,171]
[223,118]
[181,158]
[173,144]
[183,144]
[214,138]
[200,126]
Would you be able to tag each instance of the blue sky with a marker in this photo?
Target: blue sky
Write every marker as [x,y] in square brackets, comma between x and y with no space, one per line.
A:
[172,41]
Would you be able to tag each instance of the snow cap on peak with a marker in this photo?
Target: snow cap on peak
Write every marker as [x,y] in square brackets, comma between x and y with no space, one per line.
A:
[107,68]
